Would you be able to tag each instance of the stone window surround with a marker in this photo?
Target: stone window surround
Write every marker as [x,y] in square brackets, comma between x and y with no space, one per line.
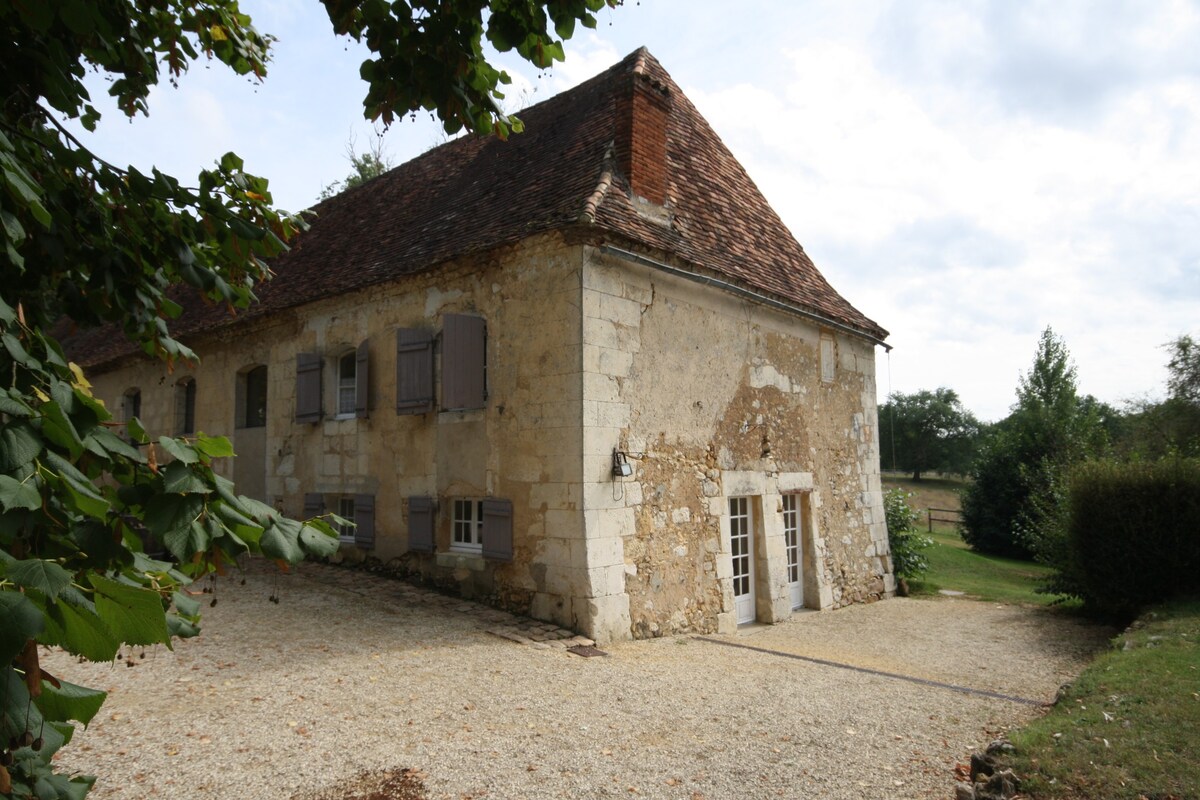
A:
[764,491]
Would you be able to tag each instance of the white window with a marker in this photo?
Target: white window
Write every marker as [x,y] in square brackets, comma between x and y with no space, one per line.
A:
[347,385]
[346,512]
[791,536]
[467,533]
[741,541]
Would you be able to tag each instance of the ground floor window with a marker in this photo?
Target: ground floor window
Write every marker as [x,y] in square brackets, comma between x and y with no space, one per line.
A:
[467,525]
[346,511]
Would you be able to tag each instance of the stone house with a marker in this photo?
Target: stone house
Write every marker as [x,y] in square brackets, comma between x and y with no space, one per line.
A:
[586,374]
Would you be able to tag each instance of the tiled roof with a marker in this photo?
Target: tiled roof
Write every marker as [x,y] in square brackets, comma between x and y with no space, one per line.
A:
[475,193]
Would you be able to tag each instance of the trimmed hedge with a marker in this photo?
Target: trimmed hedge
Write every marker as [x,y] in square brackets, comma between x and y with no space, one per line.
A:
[1134,532]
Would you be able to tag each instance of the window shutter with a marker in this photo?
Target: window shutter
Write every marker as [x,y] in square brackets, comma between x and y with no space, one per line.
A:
[308,387]
[314,505]
[414,371]
[497,529]
[364,520]
[362,383]
[464,362]
[420,524]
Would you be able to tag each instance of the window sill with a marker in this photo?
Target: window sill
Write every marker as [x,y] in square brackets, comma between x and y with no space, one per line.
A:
[340,417]
[462,559]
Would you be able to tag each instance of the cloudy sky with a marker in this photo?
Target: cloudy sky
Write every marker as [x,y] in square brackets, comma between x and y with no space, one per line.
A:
[965,173]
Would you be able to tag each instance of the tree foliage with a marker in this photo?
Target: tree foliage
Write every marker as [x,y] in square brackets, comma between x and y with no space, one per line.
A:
[1183,368]
[87,243]
[928,431]
[1013,504]
[907,544]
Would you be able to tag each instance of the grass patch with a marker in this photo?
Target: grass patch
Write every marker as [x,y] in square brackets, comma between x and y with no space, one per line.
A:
[954,566]
[1129,726]
[1002,580]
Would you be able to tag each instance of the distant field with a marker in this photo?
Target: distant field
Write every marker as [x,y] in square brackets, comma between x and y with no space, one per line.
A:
[953,566]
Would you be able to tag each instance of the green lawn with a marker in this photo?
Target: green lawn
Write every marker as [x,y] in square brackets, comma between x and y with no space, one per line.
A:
[1129,727]
[954,567]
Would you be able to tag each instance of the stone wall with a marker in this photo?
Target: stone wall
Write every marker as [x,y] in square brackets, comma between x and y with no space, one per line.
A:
[524,446]
[710,396]
[713,397]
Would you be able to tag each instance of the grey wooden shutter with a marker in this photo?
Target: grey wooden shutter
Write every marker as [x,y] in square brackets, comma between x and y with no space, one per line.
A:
[464,362]
[314,505]
[414,371]
[420,524]
[308,387]
[362,384]
[497,529]
[364,520]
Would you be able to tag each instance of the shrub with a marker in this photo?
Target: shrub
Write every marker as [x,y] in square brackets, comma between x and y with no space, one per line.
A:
[1133,533]
[906,542]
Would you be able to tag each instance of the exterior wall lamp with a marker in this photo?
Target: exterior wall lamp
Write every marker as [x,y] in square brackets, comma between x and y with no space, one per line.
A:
[621,468]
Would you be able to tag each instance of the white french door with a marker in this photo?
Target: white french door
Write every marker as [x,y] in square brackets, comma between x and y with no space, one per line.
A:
[792,542]
[741,540]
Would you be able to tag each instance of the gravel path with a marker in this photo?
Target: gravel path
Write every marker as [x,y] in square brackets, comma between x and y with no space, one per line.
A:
[349,674]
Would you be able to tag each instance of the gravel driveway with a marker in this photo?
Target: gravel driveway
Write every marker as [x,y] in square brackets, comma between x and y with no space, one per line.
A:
[350,675]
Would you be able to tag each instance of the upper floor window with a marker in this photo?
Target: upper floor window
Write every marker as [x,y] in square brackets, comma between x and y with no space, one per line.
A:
[464,362]
[347,384]
[349,395]
[185,406]
[828,358]
[252,398]
[131,405]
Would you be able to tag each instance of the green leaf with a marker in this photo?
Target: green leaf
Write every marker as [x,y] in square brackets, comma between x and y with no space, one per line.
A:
[57,427]
[69,701]
[178,479]
[214,446]
[178,450]
[185,542]
[169,512]
[47,577]
[78,629]
[281,540]
[134,615]
[85,497]
[20,620]
[19,494]
[318,539]
[187,606]
[20,444]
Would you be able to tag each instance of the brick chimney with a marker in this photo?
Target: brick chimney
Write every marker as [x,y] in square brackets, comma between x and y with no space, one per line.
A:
[643,109]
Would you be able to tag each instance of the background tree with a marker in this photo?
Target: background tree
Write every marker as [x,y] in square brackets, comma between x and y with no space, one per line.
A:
[1014,501]
[363,167]
[928,431]
[90,243]
[1183,367]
